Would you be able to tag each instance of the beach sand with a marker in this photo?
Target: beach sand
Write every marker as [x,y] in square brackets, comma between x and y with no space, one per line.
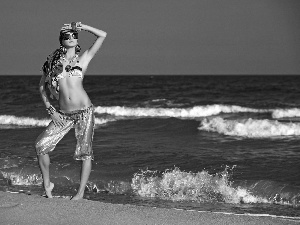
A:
[36,210]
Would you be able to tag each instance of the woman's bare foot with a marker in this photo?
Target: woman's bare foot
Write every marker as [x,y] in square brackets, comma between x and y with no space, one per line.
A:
[48,190]
[77,197]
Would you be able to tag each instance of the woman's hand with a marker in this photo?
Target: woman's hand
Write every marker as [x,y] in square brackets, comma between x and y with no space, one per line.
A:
[57,119]
[74,26]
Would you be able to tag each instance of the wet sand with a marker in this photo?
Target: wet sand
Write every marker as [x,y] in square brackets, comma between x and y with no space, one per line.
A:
[24,209]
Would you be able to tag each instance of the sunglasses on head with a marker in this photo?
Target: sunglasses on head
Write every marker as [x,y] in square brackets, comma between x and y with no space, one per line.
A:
[67,36]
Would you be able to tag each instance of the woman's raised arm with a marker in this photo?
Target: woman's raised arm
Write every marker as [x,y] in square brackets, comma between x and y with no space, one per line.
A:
[90,53]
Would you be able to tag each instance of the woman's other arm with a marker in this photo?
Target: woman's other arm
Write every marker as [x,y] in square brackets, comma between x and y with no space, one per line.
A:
[55,116]
[43,92]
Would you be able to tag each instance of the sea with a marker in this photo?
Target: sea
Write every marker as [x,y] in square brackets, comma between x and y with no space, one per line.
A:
[223,144]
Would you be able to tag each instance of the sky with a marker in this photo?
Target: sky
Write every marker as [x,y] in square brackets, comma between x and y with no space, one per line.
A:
[158,37]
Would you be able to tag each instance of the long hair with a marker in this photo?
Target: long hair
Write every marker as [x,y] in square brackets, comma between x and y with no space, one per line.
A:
[52,63]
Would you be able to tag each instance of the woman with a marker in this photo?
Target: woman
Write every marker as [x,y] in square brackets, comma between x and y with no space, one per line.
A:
[63,73]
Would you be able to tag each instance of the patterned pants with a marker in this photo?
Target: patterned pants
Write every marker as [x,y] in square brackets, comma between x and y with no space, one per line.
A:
[83,121]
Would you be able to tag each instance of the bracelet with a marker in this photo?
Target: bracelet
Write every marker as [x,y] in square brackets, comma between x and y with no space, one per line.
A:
[78,26]
[51,110]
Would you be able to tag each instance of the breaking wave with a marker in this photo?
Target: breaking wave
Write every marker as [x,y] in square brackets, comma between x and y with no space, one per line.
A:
[9,120]
[250,128]
[177,185]
[281,113]
[23,121]
[193,112]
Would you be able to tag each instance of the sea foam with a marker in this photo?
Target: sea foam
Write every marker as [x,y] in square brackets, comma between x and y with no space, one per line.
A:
[33,122]
[177,185]
[23,121]
[280,113]
[23,178]
[251,128]
[193,112]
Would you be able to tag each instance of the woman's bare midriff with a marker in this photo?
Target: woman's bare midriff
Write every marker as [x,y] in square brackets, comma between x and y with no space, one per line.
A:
[72,96]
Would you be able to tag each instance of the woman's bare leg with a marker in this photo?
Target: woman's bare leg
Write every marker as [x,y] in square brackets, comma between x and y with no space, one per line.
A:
[85,173]
[42,144]
[44,162]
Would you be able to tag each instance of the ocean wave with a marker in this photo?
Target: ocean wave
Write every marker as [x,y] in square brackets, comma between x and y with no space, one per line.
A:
[281,113]
[10,120]
[193,112]
[244,128]
[23,121]
[250,128]
[19,178]
[177,185]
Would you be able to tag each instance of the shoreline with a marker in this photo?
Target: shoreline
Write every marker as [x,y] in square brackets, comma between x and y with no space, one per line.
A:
[20,208]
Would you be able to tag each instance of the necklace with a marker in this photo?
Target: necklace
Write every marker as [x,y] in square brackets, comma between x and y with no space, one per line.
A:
[68,67]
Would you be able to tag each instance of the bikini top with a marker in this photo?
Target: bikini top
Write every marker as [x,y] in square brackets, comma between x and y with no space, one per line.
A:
[57,74]
[74,71]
